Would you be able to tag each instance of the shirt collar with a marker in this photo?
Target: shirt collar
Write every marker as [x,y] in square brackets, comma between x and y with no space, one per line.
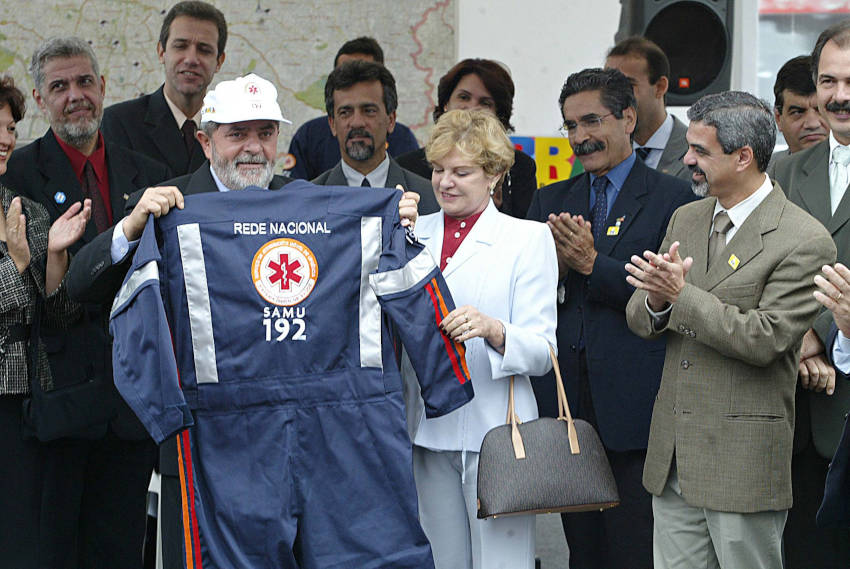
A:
[833,142]
[618,174]
[219,183]
[659,138]
[179,116]
[377,177]
[78,159]
[742,210]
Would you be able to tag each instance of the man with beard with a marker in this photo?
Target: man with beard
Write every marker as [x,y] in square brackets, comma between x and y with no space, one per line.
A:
[617,208]
[816,179]
[95,483]
[731,291]
[239,131]
[361,101]
[162,125]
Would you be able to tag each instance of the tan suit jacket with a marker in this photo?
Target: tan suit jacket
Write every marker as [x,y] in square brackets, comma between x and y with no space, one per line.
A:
[804,176]
[726,403]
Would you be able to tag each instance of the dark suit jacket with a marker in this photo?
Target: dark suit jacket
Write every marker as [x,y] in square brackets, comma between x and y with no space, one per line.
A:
[518,189]
[94,278]
[42,172]
[835,507]
[396,175]
[624,371]
[671,158]
[804,177]
[147,125]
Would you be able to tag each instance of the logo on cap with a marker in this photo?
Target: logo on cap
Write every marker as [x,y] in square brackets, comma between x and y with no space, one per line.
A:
[252,89]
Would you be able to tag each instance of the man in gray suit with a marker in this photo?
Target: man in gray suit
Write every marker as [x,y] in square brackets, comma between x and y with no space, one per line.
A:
[361,101]
[816,180]
[659,136]
[732,293]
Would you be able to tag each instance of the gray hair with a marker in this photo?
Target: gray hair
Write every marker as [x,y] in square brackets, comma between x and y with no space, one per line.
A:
[51,48]
[741,119]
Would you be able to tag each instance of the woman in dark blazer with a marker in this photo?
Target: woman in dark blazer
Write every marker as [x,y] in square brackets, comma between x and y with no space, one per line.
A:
[33,262]
[483,85]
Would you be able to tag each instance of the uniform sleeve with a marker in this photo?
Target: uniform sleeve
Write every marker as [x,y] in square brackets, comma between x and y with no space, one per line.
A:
[412,291]
[298,149]
[143,358]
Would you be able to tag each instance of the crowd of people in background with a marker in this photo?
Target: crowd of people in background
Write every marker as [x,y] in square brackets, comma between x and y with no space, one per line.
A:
[690,279]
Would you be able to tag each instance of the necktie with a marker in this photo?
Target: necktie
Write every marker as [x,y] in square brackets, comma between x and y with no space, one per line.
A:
[600,207]
[717,240]
[365,183]
[91,190]
[643,152]
[189,127]
[839,176]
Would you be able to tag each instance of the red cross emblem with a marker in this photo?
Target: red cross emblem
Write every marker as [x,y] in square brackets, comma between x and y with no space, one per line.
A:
[284,272]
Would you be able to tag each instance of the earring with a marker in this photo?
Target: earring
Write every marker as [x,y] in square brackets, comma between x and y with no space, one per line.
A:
[492,189]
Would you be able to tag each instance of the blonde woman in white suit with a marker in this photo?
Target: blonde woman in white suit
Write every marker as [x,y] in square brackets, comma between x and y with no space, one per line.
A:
[502,273]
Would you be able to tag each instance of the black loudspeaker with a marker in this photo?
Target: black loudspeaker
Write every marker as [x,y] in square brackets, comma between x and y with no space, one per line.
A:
[696,35]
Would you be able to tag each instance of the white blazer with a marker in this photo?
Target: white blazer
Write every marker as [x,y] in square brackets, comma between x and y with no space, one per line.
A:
[507,269]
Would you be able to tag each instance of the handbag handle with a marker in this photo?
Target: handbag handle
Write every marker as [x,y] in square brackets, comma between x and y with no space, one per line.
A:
[564,405]
[563,413]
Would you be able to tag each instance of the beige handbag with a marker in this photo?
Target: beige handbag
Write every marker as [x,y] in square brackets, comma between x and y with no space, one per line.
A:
[545,465]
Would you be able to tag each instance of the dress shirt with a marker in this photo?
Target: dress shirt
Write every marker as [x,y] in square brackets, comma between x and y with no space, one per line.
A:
[98,161]
[738,214]
[835,194]
[657,142]
[616,178]
[841,353]
[454,232]
[179,116]
[377,177]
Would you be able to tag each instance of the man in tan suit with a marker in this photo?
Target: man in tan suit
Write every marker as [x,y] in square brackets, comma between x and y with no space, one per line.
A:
[733,294]
[816,180]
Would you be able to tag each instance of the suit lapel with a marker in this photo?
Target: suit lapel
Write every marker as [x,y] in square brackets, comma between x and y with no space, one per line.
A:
[123,175]
[671,156]
[336,177]
[395,176]
[62,188]
[747,241]
[695,242]
[163,130]
[813,185]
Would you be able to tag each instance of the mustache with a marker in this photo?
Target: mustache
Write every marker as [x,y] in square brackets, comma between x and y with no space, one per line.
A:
[696,170]
[248,158]
[835,107]
[588,147]
[83,105]
[361,132]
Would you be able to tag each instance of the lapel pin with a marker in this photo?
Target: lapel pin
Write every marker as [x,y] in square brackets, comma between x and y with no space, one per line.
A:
[59,197]
[613,229]
[126,197]
[734,262]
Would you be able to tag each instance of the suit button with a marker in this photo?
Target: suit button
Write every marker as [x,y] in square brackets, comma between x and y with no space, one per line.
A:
[573,347]
[693,334]
[686,364]
[681,328]
[846,415]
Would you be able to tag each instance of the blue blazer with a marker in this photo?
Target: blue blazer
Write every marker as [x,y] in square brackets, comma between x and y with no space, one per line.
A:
[624,371]
[835,507]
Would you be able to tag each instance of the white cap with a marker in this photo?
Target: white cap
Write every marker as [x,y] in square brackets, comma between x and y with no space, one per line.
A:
[242,99]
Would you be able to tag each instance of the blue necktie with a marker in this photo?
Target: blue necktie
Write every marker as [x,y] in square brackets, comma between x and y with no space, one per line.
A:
[600,207]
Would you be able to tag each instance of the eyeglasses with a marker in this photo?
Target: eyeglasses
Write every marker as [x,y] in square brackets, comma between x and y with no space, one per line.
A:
[589,123]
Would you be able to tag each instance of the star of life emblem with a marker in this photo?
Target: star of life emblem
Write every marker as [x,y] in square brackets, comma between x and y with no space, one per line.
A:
[252,89]
[284,271]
